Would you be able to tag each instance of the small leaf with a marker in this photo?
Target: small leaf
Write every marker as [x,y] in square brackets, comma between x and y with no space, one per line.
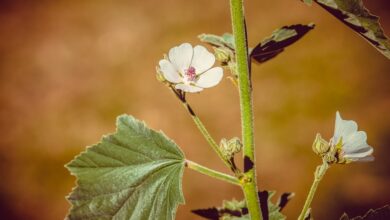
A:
[377,214]
[273,210]
[308,2]
[237,210]
[284,199]
[280,39]
[226,40]
[308,215]
[353,14]
[344,216]
[134,174]
[209,213]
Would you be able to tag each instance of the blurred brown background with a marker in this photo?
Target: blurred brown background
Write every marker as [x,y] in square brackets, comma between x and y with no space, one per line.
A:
[68,68]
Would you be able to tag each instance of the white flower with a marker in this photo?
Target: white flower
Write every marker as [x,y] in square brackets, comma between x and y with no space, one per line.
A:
[189,69]
[350,143]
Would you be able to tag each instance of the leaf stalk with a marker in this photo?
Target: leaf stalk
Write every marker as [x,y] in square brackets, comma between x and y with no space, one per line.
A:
[212,173]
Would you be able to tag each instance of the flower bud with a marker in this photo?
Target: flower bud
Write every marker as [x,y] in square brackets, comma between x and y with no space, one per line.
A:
[320,146]
[234,145]
[230,147]
[223,55]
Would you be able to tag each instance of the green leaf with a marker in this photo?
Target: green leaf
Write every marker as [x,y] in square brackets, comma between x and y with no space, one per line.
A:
[273,210]
[281,38]
[353,14]
[377,214]
[224,41]
[135,173]
[308,2]
[237,210]
[269,48]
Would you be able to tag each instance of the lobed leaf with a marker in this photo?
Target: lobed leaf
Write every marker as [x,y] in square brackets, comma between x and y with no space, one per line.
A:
[132,174]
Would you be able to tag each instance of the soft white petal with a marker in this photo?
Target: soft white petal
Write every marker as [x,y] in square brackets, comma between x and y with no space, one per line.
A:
[181,56]
[202,59]
[210,78]
[343,128]
[356,149]
[362,152]
[188,88]
[365,159]
[169,71]
[358,138]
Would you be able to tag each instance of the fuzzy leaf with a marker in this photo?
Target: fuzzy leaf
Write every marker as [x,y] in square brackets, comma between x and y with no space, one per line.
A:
[308,2]
[284,199]
[237,210]
[353,14]
[281,38]
[132,174]
[226,40]
[377,214]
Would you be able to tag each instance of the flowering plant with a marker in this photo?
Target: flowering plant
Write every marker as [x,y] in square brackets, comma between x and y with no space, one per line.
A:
[136,172]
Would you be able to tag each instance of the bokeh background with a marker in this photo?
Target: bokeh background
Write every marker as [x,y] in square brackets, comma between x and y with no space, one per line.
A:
[68,68]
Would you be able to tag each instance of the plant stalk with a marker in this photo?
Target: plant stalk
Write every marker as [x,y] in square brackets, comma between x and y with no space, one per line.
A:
[212,173]
[318,175]
[210,140]
[249,184]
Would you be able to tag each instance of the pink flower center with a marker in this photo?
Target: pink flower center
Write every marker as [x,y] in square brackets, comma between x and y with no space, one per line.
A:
[190,74]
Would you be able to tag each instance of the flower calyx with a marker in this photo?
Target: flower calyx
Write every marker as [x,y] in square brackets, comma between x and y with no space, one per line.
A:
[320,146]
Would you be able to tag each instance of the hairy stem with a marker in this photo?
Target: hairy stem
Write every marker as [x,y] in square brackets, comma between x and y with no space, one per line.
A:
[318,175]
[212,173]
[249,184]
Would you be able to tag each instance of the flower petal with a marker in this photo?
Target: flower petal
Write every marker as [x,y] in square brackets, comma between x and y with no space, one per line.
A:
[354,140]
[365,159]
[181,56]
[210,78]
[169,71]
[343,128]
[188,88]
[202,59]
[363,151]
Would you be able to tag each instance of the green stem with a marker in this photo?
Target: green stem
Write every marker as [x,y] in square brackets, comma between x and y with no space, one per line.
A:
[249,185]
[205,132]
[318,175]
[212,173]
[208,137]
